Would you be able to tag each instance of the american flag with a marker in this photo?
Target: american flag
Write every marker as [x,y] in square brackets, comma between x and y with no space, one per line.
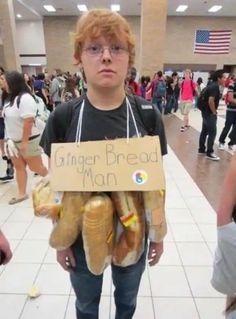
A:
[212,42]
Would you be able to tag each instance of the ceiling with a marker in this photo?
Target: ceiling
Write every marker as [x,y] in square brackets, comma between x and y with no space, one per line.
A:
[33,9]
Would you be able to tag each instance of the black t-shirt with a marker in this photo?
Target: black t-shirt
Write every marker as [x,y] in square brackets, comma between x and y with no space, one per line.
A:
[213,90]
[102,125]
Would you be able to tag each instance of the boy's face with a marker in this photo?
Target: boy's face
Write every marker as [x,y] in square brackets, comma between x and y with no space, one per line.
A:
[105,62]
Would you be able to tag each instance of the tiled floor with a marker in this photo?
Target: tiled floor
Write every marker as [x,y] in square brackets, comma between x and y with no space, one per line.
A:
[179,287]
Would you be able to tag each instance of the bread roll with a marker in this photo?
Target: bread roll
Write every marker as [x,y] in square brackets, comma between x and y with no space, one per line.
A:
[97,233]
[44,201]
[154,202]
[68,227]
[130,244]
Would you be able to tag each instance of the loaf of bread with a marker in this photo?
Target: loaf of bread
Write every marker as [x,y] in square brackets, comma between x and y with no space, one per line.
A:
[154,202]
[98,233]
[44,201]
[130,244]
[68,227]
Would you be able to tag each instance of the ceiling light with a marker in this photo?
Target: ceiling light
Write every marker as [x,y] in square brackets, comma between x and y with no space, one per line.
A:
[49,8]
[19,16]
[82,7]
[182,8]
[215,8]
[115,7]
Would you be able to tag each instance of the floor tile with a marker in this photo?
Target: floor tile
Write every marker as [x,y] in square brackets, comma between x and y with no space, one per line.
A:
[168,281]
[209,232]
[107,283]
[199,280]
[186,233]
[211,307]
[30,251]
[178,308]
[22,214]
[170,256]
[198,202]
[144,309]
[195,254]
[50,257]
[45,307]
[179,216]
[15,230]
[39,229]
[11,305]
[203,216]
[5,212]
[52,279]
[18,278]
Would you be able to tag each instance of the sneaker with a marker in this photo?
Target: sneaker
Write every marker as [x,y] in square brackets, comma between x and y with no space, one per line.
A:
[182,129]
[231,148]
[6,178]
[4,157]
[201,153]
[212,157]
[221,147]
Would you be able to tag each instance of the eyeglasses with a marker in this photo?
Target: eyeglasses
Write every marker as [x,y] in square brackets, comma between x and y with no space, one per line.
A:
[115,50]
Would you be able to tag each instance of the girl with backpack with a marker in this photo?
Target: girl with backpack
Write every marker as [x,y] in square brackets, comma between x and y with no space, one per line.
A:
[22,134]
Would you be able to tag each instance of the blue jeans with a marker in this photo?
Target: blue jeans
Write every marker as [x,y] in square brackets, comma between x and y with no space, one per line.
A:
[170,104]
[229,122]
[158,101]
[208,132]
[88,287]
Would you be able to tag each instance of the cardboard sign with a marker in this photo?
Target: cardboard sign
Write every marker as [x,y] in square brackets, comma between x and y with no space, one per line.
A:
[114,165]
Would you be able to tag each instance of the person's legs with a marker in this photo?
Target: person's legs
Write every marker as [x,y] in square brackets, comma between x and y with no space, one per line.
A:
[126,281]
[159,105]
[21,175]
[212,118]
[228,123]
[232,134]
[203,135]
[35,164]
[87,286]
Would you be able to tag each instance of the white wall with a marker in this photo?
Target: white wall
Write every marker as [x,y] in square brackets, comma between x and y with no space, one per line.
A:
[30,40]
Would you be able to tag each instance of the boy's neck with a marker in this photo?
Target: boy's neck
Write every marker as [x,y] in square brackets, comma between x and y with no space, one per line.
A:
[104,99]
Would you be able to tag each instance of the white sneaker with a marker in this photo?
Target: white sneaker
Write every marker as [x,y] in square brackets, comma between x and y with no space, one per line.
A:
[221,147]
[231,148]
[213,157]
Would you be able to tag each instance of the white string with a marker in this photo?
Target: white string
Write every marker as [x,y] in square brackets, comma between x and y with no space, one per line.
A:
[129,109]
[79,125]
[127,122]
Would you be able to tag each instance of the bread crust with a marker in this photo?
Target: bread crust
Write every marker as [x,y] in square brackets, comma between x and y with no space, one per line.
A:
[130,244]
[98,233]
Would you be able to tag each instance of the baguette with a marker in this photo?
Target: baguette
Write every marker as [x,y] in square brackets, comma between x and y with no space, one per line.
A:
[154,202]
[44,202]
[97,233]
[68,227]
[130,244]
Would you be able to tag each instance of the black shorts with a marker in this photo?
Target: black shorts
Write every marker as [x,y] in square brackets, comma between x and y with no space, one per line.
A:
[2,128]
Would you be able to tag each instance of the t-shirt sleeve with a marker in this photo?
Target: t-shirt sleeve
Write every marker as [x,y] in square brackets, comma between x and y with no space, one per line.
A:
[160,131]
[27,106]
[48,136]
[213,91]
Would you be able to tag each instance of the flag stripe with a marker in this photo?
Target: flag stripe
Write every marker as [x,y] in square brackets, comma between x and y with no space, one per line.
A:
[212,42]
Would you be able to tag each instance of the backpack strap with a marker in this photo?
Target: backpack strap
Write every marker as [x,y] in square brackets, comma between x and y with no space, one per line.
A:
[63,116]
[146,113]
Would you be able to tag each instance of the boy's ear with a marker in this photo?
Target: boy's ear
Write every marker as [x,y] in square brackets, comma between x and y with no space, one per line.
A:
[76,60]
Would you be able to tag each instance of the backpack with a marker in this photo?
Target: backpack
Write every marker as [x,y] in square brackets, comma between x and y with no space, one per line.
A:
[62,84]
[202,101]
[64,113]
[160,89]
